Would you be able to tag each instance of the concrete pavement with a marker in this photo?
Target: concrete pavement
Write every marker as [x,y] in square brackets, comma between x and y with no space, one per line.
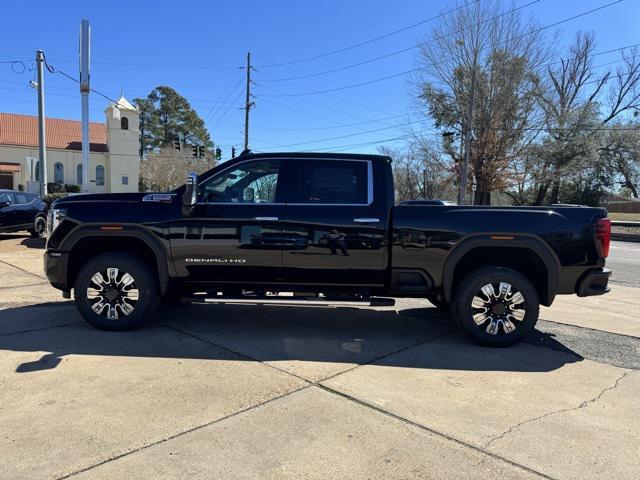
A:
[284,392]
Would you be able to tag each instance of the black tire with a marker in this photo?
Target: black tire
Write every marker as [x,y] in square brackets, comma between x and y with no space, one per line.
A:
[510,322]
[39,229]
[119,294]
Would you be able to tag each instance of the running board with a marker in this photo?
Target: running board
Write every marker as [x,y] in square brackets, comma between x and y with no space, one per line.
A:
[290,301]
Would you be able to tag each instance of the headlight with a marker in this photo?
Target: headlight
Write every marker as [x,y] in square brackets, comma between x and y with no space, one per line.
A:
[54,218]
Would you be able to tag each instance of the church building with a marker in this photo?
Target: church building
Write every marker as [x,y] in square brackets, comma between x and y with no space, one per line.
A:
[114,158]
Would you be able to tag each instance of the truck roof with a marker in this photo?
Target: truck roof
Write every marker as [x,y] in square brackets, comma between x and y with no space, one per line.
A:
[332,155]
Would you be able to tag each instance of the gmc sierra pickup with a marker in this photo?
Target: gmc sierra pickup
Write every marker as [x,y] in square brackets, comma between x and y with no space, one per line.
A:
[303,227]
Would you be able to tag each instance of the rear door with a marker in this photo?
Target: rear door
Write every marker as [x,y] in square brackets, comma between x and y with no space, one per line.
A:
[334,224]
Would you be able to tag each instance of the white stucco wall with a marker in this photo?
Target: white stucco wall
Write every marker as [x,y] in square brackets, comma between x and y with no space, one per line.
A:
[121,163]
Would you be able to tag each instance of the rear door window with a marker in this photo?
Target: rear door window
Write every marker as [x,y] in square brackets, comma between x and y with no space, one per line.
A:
[341,182]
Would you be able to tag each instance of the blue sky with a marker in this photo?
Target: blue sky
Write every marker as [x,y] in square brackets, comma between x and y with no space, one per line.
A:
[197,47]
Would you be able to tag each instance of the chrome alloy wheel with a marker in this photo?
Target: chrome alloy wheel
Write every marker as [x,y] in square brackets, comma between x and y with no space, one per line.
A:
[112,293]
[498,312]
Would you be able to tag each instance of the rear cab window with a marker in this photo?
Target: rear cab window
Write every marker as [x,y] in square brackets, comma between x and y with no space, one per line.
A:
[333,182]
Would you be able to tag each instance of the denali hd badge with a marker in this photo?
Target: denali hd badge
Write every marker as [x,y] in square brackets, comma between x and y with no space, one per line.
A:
[215,260]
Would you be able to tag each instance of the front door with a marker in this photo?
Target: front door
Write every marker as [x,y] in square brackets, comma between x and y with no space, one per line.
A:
[7,213]
[335,226]
[6,181]
[234,233]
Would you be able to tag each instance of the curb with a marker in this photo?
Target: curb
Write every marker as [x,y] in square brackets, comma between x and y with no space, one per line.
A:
[625,237]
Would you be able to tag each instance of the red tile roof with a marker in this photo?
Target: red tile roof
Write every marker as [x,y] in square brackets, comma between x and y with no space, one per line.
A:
[22,130]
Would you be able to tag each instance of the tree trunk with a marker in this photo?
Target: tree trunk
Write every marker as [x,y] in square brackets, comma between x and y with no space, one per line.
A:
[482,197]
[555,192]
[541,194]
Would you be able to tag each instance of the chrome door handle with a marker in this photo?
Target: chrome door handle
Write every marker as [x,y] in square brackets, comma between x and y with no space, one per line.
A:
[266,219]
[366,220]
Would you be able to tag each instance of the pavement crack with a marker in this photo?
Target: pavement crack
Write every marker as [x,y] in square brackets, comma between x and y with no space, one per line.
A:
[25,271]
[184,432]
[556,412]
[430,430]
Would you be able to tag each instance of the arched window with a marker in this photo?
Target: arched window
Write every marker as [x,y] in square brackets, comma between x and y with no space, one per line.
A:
[58,172]
[79,174]
[124,123]
[99,175]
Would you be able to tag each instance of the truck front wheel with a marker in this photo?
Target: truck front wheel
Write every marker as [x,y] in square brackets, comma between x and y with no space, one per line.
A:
[496,306]
[116,291]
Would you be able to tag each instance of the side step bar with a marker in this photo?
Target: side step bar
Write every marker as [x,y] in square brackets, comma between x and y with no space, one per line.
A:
[290,301]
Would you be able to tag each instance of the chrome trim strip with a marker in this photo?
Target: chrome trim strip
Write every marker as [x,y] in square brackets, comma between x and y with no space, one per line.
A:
[369,183]
[366,220]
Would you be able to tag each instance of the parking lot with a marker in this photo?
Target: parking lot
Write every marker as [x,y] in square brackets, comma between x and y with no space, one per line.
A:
[308,392]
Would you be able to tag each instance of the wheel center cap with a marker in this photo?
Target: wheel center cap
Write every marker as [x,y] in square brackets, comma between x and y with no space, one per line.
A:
[499,309]
[111,294]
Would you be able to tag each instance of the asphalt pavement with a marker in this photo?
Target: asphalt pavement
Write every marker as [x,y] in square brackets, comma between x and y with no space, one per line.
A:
[624,260]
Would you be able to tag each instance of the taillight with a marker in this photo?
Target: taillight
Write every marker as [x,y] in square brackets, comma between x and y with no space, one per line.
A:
[603,236]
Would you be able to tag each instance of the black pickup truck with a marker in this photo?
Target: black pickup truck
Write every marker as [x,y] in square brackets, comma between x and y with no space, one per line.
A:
[303,227]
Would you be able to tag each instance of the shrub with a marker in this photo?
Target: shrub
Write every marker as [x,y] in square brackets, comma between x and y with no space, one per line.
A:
[52,197]
[71,188]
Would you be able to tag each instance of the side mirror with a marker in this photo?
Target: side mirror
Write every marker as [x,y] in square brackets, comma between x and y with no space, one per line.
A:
[4,203]
[190,193]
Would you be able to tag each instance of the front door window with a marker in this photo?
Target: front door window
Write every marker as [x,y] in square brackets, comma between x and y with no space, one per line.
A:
[247,183]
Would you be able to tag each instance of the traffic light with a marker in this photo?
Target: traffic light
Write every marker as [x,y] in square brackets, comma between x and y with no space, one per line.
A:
[198,151]
[218,153]
[176,144]
[233,152]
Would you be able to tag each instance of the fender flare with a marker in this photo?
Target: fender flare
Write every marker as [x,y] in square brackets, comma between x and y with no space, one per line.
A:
[159,252]
[503,240]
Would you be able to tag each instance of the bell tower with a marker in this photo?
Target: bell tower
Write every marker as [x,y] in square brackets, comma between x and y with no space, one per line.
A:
[123,142]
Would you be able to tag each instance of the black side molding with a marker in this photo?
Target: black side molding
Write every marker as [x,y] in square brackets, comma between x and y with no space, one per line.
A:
[504,240]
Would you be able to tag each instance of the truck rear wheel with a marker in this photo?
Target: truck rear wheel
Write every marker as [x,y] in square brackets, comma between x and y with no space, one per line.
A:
[496,306]
[116,291]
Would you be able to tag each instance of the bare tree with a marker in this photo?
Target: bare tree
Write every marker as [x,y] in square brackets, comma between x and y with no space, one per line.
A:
[419,173]
[620,153]
[577,104]
[168,168]
[488,46]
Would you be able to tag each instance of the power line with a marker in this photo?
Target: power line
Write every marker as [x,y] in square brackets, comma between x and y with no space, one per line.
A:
[356,134]
[212,114]
[371,40]
[321,105]
[224,114]
[341,99]
[403,50]
[135,65]
[375,120]
[387,77]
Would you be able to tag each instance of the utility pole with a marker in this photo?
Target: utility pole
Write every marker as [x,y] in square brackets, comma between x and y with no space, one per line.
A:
[84,94]
[248,103]
[462,193]
[42,141]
